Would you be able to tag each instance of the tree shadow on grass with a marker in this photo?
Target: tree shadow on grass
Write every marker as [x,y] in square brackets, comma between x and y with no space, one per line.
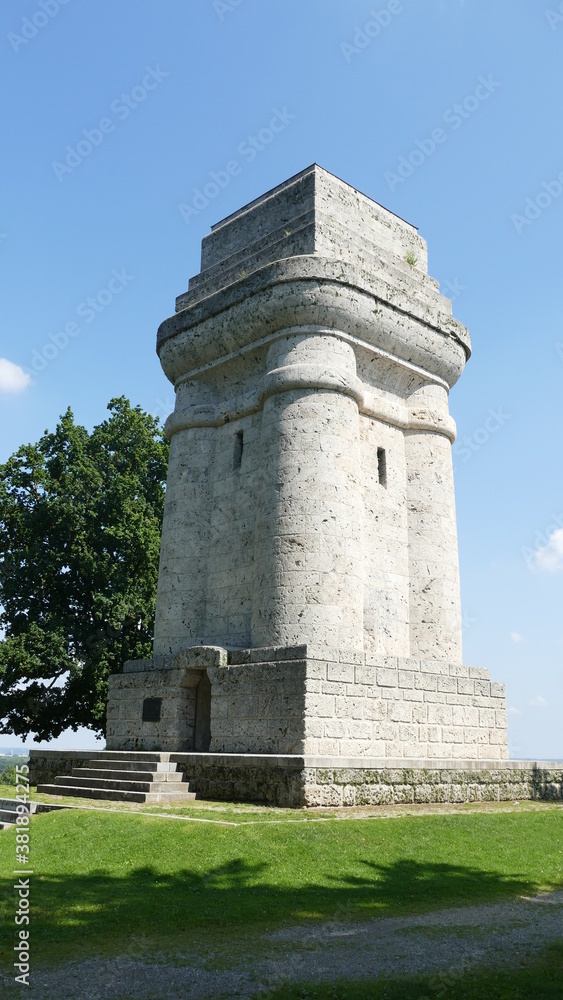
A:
[408,884]
[112,913]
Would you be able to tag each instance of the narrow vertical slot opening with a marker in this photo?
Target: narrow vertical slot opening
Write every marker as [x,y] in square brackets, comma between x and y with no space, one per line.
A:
[237,454]
[382,466]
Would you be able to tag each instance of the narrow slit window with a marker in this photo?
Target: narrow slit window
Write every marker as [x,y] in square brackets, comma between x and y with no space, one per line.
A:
[382,466]
[237,455]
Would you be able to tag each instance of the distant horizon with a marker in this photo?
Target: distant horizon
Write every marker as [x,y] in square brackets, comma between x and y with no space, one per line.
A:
[439,760]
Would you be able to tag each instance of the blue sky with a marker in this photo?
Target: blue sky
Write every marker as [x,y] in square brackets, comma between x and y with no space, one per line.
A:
[115,114]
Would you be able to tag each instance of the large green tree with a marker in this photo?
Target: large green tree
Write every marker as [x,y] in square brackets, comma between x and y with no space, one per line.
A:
[80,524]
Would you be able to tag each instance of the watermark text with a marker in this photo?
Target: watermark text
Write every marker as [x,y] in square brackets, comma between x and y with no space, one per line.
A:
[454,118]
[555,17]
[87,310]
[121,107]
[22,886]
[472,443]
[248,149]
[31,26]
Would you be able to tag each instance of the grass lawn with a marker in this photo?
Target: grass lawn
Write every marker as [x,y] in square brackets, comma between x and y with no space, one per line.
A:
[106,882]
[540,978]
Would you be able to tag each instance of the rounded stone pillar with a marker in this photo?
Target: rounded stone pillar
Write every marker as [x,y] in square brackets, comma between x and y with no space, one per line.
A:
[181,604]
[435,606]
[308,555]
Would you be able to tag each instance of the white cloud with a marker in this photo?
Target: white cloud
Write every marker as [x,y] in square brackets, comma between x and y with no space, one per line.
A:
[539,702]
[512,710]
[516,637]
[12,377]
[550,556]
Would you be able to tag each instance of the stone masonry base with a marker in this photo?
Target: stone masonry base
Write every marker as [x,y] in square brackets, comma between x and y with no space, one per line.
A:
[295,781]
[306,701]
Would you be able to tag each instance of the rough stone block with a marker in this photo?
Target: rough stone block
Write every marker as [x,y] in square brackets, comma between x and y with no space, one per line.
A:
[465,716]
[366,675]
[465,686]
[342,672]
[483,688]
[447,685]
[417,696]
[440,714]
[406,679]
[479,673]
[387,677]
[399,712]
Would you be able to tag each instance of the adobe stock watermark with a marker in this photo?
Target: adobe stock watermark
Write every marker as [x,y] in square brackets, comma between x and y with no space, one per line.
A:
[224,7]
[454,118]
[452,289]
[248,149]
[121,107]
[543,540]
[533,207]
[440,984]
[163,407]
[472,443]
[365,35]
[467,622]
[22,886]
[555,17]
[31,26]
[87,310]
[559,349]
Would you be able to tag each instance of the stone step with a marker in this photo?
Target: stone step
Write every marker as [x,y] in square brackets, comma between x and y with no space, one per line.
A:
[117,795]
[142,755]
[126,775]
[13,803]
[10,809]
[132,784]
[120,763]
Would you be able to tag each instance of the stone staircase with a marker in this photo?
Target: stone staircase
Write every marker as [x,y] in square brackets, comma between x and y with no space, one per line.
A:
[9,811]
[125,776]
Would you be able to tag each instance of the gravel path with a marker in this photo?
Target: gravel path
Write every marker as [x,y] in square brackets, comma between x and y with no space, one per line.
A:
[446,942]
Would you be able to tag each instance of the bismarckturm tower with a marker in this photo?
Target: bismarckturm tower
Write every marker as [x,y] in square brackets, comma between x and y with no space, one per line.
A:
[308,597]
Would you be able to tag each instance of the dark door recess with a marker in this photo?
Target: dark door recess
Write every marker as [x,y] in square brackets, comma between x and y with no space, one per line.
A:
[202,735]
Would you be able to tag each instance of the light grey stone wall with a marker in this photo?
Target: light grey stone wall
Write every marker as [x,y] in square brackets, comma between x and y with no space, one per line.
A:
[435,606]
[259,707]
[309,555]
[386,541]
[423,782]
[126,729]
[352,704]
[295,700]
[172,679]
[398,707]
[186,537]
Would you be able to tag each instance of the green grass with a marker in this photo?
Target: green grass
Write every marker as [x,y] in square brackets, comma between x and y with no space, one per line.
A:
[120,883]
[540,978]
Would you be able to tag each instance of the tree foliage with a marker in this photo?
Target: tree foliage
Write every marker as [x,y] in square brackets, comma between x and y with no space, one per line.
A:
[80,524]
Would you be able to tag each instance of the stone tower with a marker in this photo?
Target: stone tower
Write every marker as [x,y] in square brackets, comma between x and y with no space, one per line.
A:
[308,597]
